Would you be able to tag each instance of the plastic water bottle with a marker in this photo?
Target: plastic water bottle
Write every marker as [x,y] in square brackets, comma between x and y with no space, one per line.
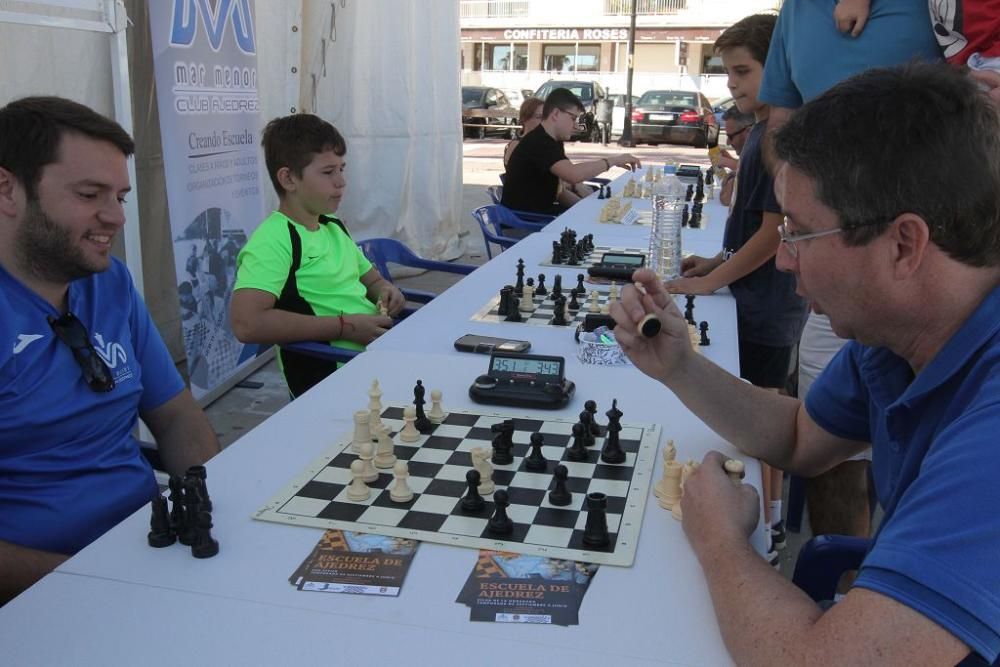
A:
[665,236]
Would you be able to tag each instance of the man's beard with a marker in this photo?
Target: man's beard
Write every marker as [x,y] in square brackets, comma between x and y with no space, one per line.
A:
[48,251]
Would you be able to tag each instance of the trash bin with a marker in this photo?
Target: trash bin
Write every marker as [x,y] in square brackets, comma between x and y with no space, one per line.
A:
[602,117]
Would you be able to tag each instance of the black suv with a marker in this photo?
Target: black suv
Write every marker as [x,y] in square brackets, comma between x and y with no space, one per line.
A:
[589,92]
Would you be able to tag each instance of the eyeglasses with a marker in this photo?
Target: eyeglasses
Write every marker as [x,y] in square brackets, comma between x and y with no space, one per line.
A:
[739,132]
[575,116]
[71,331]
[789,239]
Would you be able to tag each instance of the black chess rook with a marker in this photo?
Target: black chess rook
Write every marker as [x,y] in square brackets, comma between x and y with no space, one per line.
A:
[595,532]
[160,535]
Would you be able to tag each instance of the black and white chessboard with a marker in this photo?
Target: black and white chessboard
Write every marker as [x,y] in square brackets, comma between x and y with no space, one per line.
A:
[544,310]
[594,257]
[438,463]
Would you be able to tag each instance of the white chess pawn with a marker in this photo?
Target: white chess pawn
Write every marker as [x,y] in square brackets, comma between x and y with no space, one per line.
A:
[358,490]
[384,456]
[613,292]
[368,472]
[400,492]
[436,414]
[409,432]
[670,485]
[735,470]
[362,433]
[481,462]
[595,306]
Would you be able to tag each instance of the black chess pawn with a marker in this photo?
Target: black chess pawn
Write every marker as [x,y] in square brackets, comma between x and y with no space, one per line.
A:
[556,253]
[557,286]
[560,496]
[573,257]
[192,505]
[199,473]
[472,501]
[559,313]
[595,532]
[703,328]
[160,534]
[689,308]
[500,523]
[577,451]
[600,192]
[175,484]
[204,545]
[573,304]
[587,420]
[529,281]
[580,289]
[540,289]
[536,461]
[590,242]
[709,176]
[503,443]
[591,407]
[689,195]
[685,216]
[519,285]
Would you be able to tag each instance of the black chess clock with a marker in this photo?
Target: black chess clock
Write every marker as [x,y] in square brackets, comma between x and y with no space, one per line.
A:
[524,380]
[617,266]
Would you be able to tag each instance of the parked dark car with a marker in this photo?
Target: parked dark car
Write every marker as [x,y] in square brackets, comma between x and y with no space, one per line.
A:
[674,116]
[487,111]
[589,92]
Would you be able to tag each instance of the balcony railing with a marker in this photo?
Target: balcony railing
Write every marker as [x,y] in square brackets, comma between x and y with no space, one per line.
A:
[489,9]
[672,7]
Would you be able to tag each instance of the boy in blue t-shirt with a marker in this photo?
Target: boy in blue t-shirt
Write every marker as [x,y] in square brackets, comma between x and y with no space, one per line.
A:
[770,315]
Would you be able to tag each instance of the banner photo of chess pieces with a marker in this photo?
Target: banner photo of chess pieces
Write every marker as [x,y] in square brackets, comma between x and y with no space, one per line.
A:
[600,348]
[516,588]
[356,563]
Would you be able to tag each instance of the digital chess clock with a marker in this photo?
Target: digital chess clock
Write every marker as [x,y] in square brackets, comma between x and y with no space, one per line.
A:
[617,266]
[523,380]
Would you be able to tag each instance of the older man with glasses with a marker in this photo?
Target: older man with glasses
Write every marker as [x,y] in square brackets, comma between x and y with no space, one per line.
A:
[80,358]
[892,228]
[538,166]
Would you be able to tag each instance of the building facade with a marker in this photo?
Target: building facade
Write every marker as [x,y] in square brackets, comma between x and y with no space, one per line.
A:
[520,44]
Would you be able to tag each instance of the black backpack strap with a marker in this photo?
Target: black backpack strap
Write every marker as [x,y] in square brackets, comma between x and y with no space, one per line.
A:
[301,371]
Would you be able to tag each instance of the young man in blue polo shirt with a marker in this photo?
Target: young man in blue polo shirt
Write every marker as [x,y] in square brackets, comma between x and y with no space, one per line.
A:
[900,247]
[80,358]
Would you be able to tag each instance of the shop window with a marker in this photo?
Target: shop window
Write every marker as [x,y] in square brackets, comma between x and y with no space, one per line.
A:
[571,58]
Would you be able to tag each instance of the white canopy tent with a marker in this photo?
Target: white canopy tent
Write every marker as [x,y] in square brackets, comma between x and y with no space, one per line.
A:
[385,72]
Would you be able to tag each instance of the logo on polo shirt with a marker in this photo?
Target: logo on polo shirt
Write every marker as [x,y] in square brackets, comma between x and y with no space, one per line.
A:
[113,354]
[24,340]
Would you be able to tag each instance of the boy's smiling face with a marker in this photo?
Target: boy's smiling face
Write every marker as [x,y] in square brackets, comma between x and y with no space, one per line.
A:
[745,74]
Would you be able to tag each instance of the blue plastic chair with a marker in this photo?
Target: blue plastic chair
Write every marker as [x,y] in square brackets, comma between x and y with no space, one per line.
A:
[824,559]
[496,194]
[495,220]
[381,252]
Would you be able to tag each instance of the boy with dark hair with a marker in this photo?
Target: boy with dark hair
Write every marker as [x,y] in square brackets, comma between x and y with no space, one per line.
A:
[769,313]
[300,277]
[538,165]
[80,358]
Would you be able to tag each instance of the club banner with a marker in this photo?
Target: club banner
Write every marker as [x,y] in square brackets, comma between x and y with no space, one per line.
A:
[205,63]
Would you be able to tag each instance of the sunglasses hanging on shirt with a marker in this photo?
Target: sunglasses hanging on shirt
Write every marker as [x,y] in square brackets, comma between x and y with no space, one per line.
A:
[71,331]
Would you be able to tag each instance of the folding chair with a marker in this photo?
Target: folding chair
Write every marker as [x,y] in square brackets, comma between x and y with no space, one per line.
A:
[824,559]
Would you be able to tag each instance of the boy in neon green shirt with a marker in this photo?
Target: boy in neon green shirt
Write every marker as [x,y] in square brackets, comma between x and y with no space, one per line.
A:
[300,277]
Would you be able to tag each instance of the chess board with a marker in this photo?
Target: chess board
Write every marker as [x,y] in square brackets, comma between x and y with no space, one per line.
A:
[438,463]
[593,257]
[544,309]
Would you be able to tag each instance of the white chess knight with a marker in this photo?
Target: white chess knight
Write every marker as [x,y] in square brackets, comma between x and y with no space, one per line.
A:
[481,462]
[436,414]
[401,492]
[409,432]
[384,454]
